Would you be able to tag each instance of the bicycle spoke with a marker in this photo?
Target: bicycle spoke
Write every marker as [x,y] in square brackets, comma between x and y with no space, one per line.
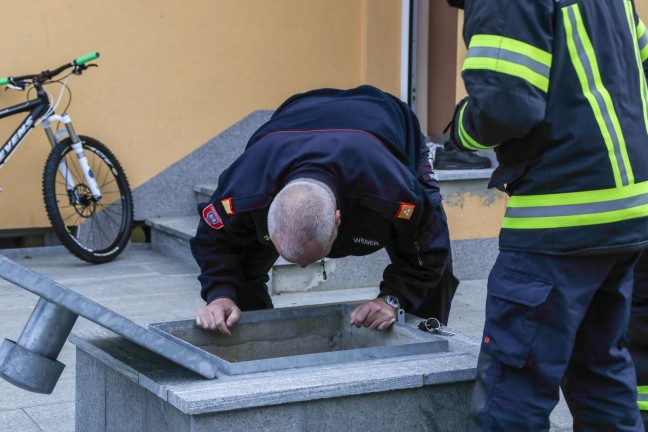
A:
[108,182]
[73,215]
[74,170]
[107,214]
[98,171]
[104,235]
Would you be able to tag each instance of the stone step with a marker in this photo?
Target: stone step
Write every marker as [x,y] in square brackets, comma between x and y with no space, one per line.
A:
[170,236]
[204,191]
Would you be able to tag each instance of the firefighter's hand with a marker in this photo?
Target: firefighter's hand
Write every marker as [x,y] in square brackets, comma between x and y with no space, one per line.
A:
[220,315]
[375,314]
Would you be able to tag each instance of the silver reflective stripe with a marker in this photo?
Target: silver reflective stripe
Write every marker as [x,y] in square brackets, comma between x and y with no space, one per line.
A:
[642,401]
[642,397]
[513,57]
[577,209]
[600,100]
[643,41]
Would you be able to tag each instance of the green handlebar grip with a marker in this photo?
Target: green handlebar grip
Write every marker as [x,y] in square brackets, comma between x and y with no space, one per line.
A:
[86,58]
[4,81]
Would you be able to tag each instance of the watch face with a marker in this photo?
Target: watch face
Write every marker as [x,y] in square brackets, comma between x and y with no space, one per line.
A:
[392,301]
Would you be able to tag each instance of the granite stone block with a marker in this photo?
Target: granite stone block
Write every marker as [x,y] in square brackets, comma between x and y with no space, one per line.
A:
[90,393]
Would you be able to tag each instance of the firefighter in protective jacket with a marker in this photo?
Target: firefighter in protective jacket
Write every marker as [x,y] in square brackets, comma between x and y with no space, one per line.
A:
[557,88]
[638,330]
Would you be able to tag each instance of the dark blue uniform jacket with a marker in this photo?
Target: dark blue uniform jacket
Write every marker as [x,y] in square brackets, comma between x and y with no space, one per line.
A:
[367,147]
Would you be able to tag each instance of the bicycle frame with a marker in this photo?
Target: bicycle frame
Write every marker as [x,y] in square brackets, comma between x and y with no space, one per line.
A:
[37,108]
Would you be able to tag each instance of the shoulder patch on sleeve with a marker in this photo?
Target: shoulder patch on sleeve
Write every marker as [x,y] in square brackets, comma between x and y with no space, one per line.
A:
[227,205]
[211,218]
[405,211]
[397,210]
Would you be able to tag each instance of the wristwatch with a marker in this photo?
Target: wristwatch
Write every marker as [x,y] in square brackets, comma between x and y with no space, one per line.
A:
[392,301]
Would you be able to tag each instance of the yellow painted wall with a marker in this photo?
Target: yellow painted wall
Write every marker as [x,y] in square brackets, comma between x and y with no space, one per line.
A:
[642,9]
[173,74]
[461,55]
[462,208]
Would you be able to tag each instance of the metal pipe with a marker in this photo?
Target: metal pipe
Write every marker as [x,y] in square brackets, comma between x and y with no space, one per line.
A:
[47,329]
[31,362]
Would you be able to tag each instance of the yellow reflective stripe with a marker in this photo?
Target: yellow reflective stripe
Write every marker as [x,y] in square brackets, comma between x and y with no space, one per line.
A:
[642,390]
[584,61]
[576,220]
[642,76]
[642,40]
[511,57]
[582,78]
[574,209]
[509,68]
[466,140]
[574,198]
[501,42]
[643,406]
[611,111]
[589,49]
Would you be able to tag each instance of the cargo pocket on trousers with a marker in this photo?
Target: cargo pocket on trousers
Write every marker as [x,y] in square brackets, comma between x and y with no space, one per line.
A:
[512,315]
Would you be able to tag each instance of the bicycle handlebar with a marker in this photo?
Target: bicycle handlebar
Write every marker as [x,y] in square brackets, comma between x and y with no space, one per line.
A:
[78,64]
[86,58]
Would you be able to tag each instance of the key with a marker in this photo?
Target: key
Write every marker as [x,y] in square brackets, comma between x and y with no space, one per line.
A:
[434,326]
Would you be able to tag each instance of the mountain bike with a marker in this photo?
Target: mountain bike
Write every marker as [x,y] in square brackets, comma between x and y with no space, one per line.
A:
[85,190]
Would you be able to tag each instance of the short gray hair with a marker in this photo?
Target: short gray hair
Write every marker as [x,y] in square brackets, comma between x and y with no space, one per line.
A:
[302,212]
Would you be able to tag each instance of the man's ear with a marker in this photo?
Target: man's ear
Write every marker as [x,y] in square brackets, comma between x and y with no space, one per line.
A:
[338,218]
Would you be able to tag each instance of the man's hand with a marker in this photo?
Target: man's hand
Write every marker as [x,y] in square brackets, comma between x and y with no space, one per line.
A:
[375,314]
[221,314]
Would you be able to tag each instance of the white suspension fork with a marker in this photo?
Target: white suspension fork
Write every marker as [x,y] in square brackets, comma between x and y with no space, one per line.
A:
[77,146]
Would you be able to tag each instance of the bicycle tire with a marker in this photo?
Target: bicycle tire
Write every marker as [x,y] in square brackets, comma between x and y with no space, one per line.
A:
[96,232]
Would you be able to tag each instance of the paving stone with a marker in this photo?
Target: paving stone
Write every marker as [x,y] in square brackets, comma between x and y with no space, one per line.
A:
[17,421]
[53,418]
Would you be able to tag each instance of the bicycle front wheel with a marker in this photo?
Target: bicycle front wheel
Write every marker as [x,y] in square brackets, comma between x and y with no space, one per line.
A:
[94,230]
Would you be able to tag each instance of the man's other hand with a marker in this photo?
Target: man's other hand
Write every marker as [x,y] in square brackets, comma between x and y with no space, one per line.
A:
[375,314]
[221,314]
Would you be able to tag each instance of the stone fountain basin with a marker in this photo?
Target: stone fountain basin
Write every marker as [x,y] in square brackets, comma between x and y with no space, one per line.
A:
[297,337]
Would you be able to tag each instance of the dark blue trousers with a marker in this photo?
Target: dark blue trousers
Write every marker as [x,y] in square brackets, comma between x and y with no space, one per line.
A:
[638,331]
[551,322]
